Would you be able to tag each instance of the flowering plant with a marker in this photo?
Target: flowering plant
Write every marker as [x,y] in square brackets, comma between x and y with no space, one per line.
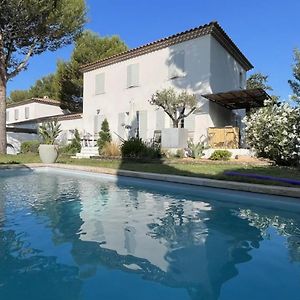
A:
[274,132]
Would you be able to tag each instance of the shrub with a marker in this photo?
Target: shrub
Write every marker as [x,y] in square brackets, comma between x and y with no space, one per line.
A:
[137,148]
[221,155]
[49,132]
[180,153]
[75,145]
[195,150]
[111,149]
[30,147]
[104,135]
[274,133]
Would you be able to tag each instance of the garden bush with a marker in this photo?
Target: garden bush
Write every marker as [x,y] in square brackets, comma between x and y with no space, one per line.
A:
[180,153]
[137,148]
[220,155]
[30,147]
[111,149]
[75,145]
[274,133]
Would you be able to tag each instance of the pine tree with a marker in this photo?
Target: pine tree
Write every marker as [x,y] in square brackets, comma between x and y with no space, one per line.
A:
[104,135]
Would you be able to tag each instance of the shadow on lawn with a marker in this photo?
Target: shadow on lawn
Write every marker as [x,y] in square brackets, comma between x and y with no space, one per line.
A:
[272,175]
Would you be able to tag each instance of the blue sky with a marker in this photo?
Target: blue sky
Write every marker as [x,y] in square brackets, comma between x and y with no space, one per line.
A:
[266,31]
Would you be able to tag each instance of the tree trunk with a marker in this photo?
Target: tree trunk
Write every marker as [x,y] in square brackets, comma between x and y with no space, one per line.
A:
[175,123]
[3,143]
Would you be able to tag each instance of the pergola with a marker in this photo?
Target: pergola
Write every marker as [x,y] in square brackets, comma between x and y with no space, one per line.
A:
[240,99]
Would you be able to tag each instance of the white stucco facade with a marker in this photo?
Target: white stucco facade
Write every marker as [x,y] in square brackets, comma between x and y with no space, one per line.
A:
[31,110]
[202,61]
[208,68]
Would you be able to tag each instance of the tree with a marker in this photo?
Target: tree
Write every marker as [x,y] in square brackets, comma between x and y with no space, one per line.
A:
[46,86]
[29,28]
[295,84]
[176,105]
[89,47]
[104,135]
[19,95]
[258,81]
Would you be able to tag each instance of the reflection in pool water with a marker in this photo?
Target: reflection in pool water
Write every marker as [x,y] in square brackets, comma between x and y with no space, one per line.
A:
[66,237]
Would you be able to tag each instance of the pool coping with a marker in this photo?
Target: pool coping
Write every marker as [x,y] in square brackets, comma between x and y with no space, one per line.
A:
[196,181]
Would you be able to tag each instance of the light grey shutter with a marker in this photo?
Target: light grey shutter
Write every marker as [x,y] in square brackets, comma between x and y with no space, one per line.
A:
[98,119]
[132,75]
[143,119]
[160,119]
[16,114]
[7,116]
[177,65]
[121,125]
[100,84]
[26,112]
[189,122]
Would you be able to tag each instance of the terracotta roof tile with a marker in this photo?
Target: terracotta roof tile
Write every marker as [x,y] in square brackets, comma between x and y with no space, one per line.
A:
[212,28]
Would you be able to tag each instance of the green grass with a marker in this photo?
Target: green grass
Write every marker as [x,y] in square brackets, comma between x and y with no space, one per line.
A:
[207,170]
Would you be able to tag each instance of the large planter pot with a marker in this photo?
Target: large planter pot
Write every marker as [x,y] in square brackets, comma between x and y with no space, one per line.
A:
[48,153]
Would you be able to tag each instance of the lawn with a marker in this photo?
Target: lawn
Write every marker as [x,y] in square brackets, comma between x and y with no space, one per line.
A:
[207,170]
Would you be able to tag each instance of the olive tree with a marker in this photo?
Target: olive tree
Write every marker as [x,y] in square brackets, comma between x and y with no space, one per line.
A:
[30,27]
[176,105]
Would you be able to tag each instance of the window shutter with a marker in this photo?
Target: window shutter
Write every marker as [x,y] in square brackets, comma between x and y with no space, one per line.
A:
[100,84]
[132,75]
[177,65]
[121,125]
[26,112]
[98,119]
[189,122]
[143,120]
[16,114]
[160,119]
[7,116]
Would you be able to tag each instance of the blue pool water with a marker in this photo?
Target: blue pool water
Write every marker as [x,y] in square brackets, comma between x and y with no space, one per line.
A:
[82,237]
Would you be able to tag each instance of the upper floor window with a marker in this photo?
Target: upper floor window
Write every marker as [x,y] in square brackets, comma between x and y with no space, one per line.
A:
[177,65]
[132,75]
[26,112]
[100,84]
[16,114]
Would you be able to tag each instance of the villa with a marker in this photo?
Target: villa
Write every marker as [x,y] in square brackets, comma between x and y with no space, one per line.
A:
[204,61]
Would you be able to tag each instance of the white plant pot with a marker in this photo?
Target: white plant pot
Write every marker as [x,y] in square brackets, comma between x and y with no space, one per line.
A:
[48,153]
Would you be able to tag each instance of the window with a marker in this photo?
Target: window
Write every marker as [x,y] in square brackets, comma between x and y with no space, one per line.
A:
[132,75]
[177,65]
[16,114]
[100,84]
[26,112]
[7,116]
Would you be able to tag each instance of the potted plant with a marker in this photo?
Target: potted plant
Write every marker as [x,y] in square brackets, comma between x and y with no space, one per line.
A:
[48,151]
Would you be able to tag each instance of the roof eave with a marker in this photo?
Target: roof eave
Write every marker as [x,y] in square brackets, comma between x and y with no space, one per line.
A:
[212,28]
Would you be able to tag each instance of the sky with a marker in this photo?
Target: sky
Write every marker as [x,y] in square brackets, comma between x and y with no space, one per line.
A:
[266,31]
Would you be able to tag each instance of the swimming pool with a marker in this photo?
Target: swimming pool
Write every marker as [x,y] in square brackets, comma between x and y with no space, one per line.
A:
[76,236]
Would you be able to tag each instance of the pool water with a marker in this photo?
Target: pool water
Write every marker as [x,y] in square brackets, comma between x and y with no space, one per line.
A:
[65,236]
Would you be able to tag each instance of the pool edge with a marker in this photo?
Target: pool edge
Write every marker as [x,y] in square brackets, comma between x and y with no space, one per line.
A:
[197,181]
